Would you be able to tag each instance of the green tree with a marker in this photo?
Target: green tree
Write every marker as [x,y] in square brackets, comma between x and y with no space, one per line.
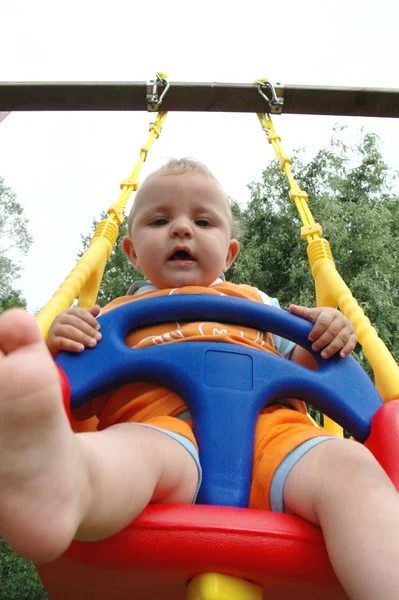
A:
[18,577]
[12,300]
[351,192]
[15,239]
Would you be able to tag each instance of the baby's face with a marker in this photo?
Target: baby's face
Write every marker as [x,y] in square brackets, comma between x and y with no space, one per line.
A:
[181,231]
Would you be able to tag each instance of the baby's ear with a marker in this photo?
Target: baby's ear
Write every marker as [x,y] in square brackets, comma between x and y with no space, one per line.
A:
[234,249]
[128,249]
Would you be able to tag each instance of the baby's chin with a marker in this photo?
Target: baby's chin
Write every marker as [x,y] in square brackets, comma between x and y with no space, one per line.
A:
[185,280]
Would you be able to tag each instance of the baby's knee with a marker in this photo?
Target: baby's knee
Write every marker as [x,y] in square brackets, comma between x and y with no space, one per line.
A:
[352,478]
[337,474]
[346,461]
[351,474]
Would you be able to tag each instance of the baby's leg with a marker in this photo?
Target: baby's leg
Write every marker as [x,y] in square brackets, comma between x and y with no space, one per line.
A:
[339,486]
[56,485]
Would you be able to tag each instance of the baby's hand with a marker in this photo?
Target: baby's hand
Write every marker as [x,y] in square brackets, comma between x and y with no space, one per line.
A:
[74,330]
[332,331]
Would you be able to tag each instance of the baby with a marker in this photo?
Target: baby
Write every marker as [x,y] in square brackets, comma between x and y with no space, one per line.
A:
[56,485]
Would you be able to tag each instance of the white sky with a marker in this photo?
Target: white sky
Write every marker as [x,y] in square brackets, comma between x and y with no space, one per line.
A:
[66,167]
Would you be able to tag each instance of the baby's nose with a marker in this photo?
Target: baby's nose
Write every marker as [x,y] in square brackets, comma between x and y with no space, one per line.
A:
[182,228]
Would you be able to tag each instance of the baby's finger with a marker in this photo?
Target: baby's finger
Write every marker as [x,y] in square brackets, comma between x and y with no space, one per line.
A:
[349,346]
[95,310]
[303,311]
[337,343]
[84,315]
[328,330]
[73,321]
[77,332]
[324,326]
[62,343]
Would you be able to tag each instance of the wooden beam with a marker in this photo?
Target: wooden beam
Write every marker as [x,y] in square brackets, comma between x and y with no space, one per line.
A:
[219,97]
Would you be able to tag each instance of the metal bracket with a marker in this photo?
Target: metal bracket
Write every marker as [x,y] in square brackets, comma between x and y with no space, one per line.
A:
[268,92]
[154,101]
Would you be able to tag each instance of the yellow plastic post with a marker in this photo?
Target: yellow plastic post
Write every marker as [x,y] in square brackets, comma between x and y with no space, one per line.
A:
[331,290]
[84,280]
[214,586]
[332,426]
[88,268]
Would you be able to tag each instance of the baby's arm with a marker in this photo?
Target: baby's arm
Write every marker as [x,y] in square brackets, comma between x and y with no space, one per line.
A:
[332,333]
[74,330]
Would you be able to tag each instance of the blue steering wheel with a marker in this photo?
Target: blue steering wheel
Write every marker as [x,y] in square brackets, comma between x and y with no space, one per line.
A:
[225,386]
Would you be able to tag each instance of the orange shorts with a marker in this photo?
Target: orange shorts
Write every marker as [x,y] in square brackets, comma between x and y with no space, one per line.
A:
[282,437]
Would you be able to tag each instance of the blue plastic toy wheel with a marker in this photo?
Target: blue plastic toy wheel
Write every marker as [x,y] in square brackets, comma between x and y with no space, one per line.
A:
[225,386]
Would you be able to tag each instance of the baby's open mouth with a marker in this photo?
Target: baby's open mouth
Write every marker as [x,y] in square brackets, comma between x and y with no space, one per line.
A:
[181,255]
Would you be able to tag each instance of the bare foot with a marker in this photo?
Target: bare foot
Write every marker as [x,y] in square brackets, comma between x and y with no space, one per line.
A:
[40,475]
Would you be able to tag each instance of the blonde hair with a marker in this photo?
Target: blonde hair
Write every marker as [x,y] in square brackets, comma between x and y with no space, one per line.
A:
[183,165]
[186,165]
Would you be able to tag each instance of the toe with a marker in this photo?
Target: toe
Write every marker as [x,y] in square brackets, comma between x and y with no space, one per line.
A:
[17,329]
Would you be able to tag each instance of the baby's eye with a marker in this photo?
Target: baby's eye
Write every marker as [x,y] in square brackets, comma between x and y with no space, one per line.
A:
[203,223]
[158,222]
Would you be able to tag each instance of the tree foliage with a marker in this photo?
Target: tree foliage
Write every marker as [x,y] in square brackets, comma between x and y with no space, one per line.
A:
[351,192]
[13,299]
[18,577]
[15,239]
